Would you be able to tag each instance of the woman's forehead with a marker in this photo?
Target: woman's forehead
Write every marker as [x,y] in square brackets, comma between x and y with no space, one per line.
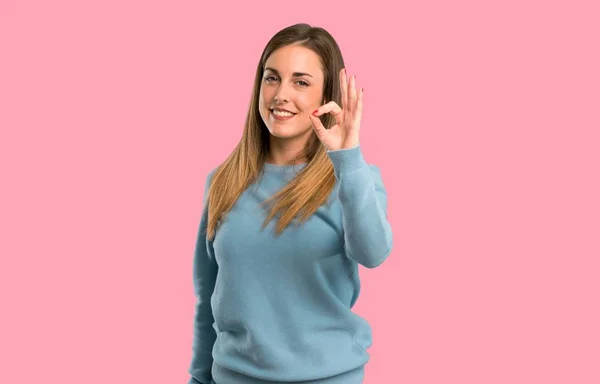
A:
[294,59]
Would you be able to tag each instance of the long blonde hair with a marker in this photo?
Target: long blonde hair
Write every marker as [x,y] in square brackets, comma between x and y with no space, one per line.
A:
[304,194]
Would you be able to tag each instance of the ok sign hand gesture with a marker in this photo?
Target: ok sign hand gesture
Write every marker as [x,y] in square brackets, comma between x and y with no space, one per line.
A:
[344,134]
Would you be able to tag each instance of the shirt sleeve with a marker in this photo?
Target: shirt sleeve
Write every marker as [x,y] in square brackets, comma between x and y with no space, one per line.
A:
[363,198]
[204,276]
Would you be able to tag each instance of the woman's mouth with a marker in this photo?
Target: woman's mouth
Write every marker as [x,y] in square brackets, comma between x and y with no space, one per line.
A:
[280,115]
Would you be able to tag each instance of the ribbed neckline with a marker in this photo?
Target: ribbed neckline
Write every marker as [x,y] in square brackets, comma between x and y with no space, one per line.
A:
[283,168]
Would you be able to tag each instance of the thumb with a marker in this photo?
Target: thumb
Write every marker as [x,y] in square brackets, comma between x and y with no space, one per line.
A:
[318,126]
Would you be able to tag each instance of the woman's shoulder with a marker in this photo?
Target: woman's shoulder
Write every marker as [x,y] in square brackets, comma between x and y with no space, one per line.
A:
[211,173]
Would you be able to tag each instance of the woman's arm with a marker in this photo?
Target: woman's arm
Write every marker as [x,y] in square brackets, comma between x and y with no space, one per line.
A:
[362,195]
[204,277]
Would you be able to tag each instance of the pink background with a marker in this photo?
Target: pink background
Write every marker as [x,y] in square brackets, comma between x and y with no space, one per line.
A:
[484,119]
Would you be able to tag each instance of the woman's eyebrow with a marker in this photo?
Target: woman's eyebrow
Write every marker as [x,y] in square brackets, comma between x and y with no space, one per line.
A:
[295,74]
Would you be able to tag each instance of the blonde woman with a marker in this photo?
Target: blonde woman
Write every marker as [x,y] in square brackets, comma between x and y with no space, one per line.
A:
[287,218]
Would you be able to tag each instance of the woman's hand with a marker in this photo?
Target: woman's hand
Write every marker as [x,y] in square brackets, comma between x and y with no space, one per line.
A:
[344,134]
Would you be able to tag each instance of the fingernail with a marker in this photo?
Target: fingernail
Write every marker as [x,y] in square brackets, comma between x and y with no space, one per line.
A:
[315,112]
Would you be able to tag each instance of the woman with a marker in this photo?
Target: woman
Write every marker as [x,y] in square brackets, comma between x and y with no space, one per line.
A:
[280,291]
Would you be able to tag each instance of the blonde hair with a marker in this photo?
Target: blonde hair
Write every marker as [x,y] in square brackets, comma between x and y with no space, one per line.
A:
[304,194]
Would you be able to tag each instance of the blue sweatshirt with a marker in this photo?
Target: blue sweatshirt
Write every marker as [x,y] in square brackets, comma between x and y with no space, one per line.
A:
[278,309]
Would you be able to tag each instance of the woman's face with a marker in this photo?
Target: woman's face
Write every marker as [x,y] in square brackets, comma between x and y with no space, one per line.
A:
[292,81]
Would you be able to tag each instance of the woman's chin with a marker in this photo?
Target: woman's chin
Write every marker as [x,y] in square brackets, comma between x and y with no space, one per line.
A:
[287,132]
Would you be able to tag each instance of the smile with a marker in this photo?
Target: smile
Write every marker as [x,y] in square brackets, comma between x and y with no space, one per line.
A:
[278,115]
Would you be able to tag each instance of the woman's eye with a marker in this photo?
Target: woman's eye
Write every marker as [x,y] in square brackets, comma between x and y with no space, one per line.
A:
[273,78]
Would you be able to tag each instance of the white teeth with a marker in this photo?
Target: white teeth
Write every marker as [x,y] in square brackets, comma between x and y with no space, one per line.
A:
[279,113]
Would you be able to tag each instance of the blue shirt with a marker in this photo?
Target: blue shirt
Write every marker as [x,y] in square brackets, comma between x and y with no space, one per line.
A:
[274,309]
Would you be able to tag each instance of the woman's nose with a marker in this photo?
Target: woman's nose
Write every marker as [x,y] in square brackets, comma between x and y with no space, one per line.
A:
[280,99]
[281,95]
